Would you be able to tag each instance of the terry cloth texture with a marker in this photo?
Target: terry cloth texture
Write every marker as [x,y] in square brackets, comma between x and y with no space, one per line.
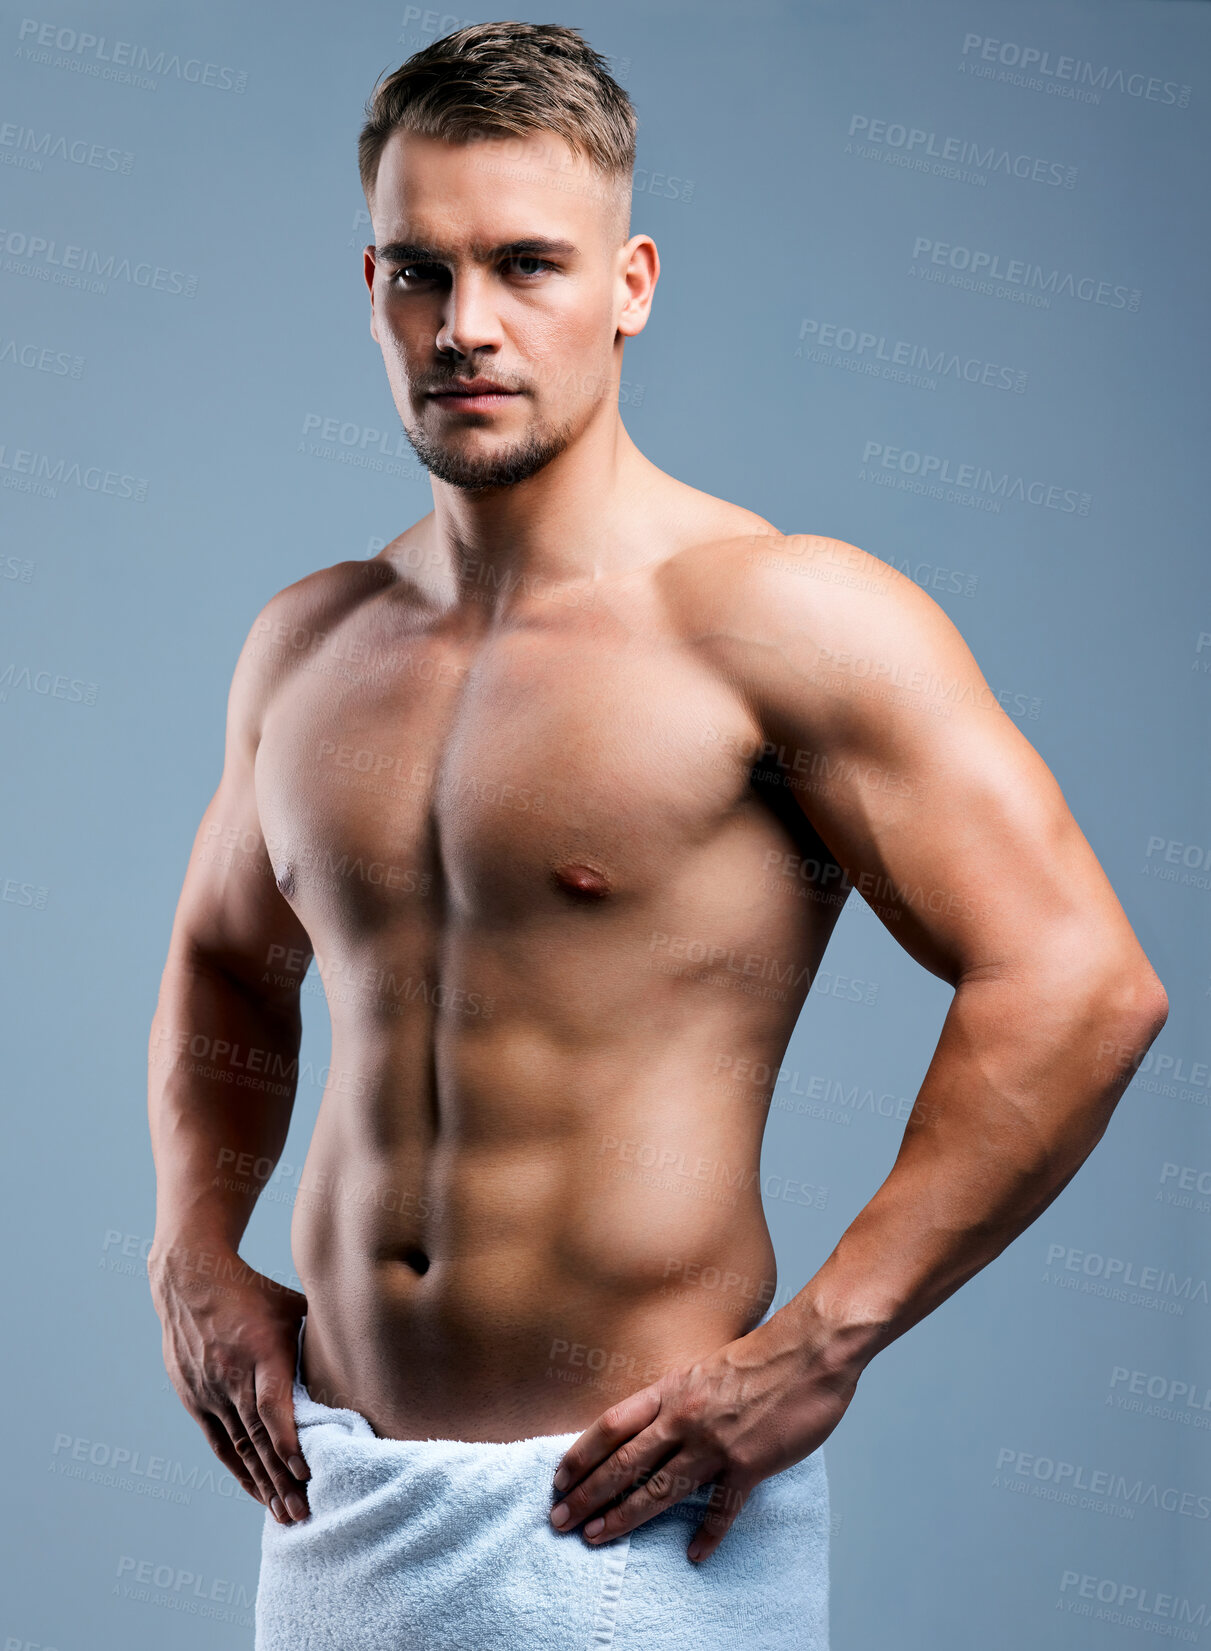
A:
[445,1545]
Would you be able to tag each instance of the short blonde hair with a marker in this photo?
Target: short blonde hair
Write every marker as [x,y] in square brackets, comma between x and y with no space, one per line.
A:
[506,79]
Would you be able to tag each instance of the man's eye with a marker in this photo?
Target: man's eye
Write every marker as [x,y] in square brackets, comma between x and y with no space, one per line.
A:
[409,274]
[528,258]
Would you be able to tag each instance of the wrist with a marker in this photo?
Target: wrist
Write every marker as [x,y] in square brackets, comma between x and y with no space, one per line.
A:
[179,1255]
[838,1336]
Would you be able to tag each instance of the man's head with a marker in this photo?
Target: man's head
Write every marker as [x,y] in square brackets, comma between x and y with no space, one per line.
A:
[497,167]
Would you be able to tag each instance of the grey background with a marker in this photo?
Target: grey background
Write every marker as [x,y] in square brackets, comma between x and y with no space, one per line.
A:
[960,1474]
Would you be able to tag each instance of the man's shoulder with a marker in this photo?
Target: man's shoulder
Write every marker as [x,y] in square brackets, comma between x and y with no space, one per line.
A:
[293,625]
[322,596]
[764,584]
[329,594]
[799,618]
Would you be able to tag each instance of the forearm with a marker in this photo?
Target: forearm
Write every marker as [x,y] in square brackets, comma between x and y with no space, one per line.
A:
[1020,1090]
[222,1073]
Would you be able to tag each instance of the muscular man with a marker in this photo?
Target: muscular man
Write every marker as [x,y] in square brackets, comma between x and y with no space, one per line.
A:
[565,791]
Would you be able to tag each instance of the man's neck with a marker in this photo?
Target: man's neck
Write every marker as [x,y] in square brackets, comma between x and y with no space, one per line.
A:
[579,518]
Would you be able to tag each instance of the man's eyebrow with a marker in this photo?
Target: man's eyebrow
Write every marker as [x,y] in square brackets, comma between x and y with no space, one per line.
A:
[413,252]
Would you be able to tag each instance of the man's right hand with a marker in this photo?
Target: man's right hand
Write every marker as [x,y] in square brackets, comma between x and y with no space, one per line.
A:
[230,1349]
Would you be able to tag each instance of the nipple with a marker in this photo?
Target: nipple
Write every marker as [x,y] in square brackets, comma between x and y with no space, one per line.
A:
[582,882]
[285,880]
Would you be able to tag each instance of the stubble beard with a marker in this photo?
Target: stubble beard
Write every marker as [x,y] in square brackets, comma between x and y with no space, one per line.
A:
[502,468]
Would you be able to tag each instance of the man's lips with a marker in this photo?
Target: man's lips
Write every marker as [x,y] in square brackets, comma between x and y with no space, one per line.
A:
[478,395]
[472,390]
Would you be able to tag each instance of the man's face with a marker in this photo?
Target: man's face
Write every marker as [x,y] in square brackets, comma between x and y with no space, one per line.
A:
[498,260]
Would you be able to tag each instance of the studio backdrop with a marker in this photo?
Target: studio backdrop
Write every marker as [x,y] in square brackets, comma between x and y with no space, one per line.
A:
[934,282]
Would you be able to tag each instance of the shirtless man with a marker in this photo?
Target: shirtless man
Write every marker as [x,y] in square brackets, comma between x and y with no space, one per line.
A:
[564,791]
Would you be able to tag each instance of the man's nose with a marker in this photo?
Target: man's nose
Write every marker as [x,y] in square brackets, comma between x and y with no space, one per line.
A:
[469,318]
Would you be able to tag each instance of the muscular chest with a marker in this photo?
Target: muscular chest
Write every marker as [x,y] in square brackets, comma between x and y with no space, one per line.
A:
[465,780]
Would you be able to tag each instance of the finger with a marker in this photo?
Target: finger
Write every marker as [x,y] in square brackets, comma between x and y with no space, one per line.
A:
[634,1459]
[251,1461]
[219,1441]
[284,1488]
[671,1481]
[621,1422]
[727,1498]
[275,1405]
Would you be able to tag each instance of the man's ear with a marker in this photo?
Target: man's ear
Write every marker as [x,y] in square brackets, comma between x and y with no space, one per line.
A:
[368,271]
[639,265]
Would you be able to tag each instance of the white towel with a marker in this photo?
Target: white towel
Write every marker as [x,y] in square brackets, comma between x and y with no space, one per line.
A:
[446,1545]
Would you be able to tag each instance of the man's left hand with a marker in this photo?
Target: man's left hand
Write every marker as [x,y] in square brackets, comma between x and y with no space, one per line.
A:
[753,1408]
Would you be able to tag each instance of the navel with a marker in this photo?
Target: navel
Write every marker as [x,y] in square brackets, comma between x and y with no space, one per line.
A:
[582,882]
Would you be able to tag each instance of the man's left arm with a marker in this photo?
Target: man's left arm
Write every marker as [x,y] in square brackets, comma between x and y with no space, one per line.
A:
[953,828]
[951,825]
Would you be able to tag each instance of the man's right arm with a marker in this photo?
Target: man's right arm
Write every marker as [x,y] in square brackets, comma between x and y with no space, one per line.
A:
[229,1009]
